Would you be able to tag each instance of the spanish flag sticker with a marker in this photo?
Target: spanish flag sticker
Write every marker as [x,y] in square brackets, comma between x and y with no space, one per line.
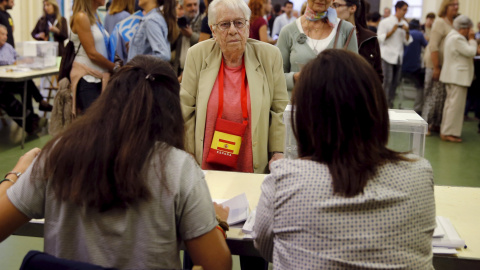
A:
[227,143]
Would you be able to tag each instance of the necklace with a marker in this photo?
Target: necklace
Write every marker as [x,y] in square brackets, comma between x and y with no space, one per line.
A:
[313,40]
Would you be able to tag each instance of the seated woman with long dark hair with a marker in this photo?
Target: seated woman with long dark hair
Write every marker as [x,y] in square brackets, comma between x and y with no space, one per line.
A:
[116,188]
[348,202]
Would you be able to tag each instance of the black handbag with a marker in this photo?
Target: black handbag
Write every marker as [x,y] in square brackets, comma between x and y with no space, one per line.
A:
[67,60]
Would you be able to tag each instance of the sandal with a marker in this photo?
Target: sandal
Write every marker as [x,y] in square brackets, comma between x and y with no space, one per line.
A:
[450,138]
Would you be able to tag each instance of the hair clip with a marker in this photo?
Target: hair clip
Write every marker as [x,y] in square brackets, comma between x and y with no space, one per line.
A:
[150,77]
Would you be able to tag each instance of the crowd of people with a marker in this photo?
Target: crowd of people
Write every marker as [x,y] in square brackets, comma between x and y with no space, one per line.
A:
[122,186]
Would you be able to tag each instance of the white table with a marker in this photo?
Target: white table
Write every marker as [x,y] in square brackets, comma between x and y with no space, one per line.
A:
[459,204]
[11,74]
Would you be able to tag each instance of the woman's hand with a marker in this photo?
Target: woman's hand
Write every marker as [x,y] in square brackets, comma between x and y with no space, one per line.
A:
[40,35]
[296,76]
[54,29]
[27,159]
[221,211]
[275,156]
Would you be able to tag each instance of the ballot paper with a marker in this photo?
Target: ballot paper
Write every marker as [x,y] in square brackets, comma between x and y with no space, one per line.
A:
[450,238]
[239,208]
[248,226]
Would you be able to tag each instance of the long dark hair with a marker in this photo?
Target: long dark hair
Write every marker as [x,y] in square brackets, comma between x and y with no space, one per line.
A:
[341,119]
[98,160]
[169,13]
[360,13]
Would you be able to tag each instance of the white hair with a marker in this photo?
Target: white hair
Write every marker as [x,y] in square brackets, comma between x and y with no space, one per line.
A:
[230,4]
[3,27]
[462,22]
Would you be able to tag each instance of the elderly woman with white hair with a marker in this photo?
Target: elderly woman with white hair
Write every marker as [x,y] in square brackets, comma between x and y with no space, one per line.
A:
[457,74]
[233,95]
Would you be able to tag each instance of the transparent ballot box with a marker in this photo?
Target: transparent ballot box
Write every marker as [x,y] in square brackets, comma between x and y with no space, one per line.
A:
[407,132]
[37,54]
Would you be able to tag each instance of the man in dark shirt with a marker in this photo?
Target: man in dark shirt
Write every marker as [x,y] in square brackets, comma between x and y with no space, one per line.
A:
[6,20]
[412,62]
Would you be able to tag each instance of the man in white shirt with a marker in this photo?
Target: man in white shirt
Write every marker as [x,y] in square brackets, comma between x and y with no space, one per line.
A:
[393,34]
[283,19]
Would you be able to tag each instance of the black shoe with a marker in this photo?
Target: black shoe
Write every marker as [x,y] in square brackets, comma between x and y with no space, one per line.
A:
[45,106]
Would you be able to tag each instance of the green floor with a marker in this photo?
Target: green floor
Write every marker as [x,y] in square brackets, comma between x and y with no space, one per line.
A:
[454,164]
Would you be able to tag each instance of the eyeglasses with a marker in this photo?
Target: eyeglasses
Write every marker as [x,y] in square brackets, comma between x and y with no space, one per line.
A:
[337,5]
[237,23]
[454,5]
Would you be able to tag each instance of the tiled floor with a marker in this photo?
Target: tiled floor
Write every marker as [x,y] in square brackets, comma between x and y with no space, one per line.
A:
[456,164]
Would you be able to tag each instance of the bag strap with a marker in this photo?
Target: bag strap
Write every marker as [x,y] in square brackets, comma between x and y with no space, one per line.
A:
[79,45]
[349,37]
[337,34]
[243,94]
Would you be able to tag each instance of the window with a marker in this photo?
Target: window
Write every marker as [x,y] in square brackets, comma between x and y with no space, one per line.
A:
[414,8]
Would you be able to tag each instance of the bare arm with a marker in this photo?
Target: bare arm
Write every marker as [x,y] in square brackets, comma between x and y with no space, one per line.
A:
[436,66]
[262,32]
[10,217]
[210,251]
[81,26]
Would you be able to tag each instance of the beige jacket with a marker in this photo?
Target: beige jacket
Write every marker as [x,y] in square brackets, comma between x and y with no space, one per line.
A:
[268,95]
[78,71]
[458,60]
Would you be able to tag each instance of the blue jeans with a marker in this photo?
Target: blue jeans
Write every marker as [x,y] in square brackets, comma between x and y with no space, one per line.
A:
[392,74]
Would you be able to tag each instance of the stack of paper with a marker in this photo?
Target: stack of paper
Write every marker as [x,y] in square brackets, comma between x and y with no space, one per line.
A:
[445,238]
[239,209]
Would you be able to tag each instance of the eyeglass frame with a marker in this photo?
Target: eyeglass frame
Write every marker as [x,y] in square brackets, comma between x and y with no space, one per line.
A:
[231,22]
[337,5]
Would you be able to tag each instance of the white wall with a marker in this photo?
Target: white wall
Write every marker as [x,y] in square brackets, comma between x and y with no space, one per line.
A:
[471,8]
[25,14]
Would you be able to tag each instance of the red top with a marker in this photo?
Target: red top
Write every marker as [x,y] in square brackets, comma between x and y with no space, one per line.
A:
[255,27]
[232,111]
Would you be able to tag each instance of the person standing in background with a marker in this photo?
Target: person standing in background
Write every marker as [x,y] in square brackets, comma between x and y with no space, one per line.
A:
[386,13]
[277,11]
[353,11]
[205,31]
[477,35]
[457,75]
[119,10]
[373,19]
[156,30]
[258,24]
[393,34]
[282,20]
[434,91]
[190,26]
[412,63]
[90,69]
[51,26]
[6,19]
[427,27]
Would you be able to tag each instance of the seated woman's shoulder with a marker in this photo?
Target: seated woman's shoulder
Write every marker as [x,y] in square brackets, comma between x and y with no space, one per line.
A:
[287,165]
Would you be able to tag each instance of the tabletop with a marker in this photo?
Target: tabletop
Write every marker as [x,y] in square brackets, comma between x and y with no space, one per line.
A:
[15,74]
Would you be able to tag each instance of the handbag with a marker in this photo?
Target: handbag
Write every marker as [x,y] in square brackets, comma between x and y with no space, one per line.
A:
[227,138]
[337,34]
[67,60]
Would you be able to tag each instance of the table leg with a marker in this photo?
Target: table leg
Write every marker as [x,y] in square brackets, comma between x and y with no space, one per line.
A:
[24,113]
